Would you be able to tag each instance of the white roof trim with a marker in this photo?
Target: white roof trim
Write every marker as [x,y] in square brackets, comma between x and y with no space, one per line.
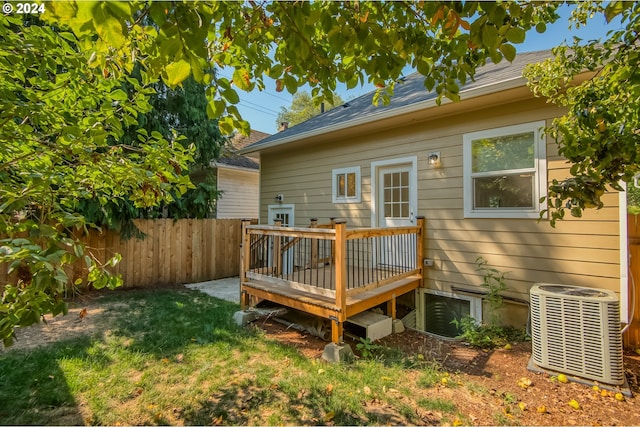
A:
[422,105]
[239,168]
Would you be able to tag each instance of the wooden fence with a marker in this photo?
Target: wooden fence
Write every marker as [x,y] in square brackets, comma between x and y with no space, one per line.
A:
[632,335]
[173,252]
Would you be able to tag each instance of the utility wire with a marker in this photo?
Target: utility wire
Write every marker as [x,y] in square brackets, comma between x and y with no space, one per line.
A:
[260,111]
[259,106]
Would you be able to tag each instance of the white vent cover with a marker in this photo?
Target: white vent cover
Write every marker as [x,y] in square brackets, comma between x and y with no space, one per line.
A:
[576,330]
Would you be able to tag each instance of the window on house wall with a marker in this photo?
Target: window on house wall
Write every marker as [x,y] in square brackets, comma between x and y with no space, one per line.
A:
[505,172]
[437,311]
[346,185]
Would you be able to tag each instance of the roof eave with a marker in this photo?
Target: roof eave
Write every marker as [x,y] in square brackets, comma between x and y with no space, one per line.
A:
[422,105]
[234,167]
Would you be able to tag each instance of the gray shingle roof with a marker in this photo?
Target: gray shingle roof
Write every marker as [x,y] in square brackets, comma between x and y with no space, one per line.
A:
[408,92]
[236,160]
[230,156]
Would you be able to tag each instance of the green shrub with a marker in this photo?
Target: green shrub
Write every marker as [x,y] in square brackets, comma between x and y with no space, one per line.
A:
[488,336]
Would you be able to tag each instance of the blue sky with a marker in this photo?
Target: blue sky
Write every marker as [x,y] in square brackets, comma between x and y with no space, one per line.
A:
[261,108]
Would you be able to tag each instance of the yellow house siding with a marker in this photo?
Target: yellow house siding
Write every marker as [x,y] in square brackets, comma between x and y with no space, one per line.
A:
[578,251]
[240,194]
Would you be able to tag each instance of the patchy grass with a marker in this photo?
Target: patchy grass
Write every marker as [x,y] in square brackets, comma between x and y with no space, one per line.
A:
[176,357]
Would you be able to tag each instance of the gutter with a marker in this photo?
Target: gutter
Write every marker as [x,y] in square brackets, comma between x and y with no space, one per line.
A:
[422,105]
[234,167]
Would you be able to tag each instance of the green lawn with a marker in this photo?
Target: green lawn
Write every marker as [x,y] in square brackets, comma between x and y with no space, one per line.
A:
[176,357]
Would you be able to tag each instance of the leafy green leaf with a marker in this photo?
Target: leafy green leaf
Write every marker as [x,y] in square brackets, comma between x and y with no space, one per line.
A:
[242,79]
[119,95]
[515,35]
[110,29]
[231,96]
[613,9]
[177,72]
[489,35]
[508,51]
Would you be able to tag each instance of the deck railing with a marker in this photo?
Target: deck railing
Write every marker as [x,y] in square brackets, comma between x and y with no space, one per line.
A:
[330,259]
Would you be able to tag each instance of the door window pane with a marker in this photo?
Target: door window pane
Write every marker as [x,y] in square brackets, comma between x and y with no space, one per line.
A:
[396,195]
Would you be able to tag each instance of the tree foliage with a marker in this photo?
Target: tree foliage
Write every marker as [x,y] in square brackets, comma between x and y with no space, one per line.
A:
[62,99]
[600,133]
[303,107]
[174,111]
[58,116]
[291,44]
[182,111]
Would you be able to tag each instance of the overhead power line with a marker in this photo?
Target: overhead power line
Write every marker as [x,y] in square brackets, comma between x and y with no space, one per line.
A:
[270,113]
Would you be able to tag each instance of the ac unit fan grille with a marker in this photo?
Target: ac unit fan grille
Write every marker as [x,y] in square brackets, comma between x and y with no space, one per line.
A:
[577,336]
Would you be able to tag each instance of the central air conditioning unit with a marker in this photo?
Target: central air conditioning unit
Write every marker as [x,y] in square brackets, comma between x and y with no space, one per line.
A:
[576,331]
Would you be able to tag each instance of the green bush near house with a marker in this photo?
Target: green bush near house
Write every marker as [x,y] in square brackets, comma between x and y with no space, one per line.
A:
[490,334]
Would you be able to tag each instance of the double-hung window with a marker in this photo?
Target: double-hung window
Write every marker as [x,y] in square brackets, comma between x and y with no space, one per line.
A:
[505,172]
[346,185]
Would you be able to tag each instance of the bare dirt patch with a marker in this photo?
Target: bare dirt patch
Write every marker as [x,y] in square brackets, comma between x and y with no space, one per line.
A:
[484,385]
[85,317]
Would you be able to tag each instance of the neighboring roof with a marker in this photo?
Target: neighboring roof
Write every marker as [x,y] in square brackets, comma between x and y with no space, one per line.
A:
[230,156]
[232,159]
[239,141]
[409,95]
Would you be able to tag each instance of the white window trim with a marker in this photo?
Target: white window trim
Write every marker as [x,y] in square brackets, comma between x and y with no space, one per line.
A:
[334,184]
[540,166]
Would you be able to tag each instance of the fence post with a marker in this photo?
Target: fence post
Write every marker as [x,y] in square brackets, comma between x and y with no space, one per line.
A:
[245,260]
[340,226]
[420,236]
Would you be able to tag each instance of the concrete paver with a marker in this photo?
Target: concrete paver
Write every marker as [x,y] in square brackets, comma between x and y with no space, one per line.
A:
[227,289]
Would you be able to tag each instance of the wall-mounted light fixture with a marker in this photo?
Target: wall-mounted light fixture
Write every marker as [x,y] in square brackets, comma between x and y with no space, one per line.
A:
[279,198]
[433,159]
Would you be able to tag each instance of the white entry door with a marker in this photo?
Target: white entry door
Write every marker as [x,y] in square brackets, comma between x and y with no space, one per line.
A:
[283,213]
[396,205]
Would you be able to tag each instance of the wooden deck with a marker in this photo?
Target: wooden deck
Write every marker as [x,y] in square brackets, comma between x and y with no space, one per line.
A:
[350,279]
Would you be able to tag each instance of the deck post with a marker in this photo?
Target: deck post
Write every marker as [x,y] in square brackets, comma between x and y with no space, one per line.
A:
[245,260]
[277,250]
[314,245]
[333,247]
[340,260]
[420,236]
[391,307]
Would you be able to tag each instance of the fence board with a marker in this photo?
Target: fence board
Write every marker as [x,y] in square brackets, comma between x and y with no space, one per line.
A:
[632,335]
[173,252]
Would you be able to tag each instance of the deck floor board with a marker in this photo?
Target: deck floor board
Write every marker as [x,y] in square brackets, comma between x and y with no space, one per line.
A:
[284,294]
